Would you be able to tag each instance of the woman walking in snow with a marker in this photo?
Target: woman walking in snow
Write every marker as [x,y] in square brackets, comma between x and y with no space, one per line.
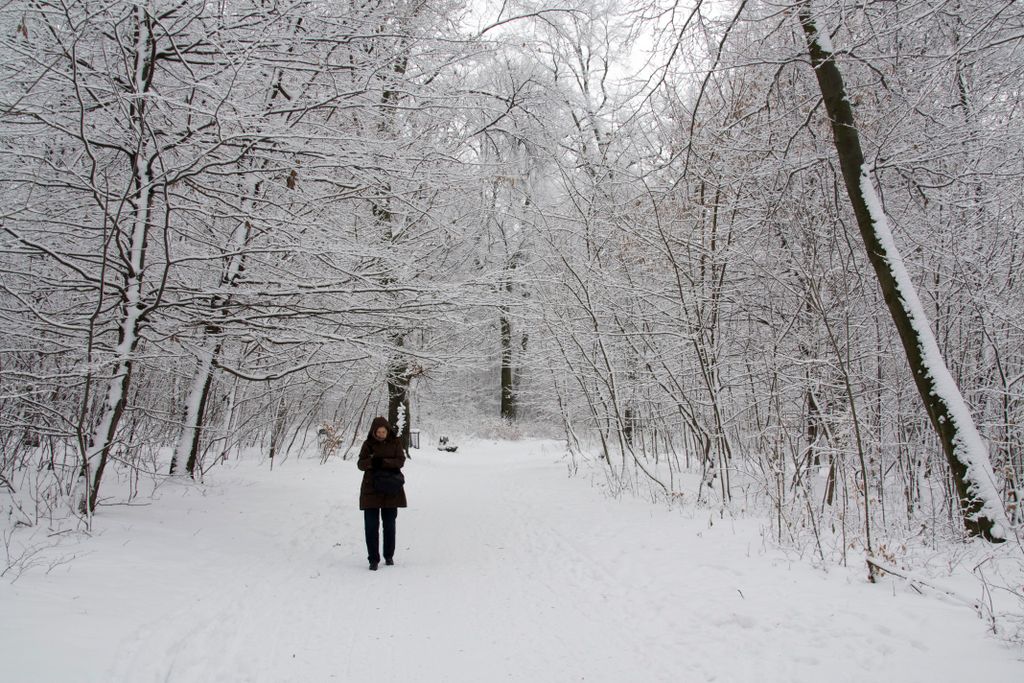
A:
[382,492]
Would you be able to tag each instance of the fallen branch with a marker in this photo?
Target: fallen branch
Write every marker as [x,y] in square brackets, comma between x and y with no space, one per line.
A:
[917,582]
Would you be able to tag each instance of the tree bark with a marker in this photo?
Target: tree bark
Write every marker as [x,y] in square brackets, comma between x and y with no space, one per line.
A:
[509,404]
[969,465]
[187,450]
[398,401]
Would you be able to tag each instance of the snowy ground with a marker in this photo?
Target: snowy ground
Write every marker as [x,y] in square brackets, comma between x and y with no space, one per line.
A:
[507,570]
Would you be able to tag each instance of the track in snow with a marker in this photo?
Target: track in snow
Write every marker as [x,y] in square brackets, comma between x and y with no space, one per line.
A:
[506,571]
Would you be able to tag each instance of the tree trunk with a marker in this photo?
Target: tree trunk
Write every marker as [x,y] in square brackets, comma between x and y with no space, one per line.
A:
[509,404]
[195,403]
[140,201]
[966,453]
[195,410]
[398,403]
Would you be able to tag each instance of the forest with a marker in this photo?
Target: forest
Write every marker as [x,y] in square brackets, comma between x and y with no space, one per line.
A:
[775,244]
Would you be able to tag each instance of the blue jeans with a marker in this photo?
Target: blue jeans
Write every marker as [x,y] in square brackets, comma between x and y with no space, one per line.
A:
[372,519]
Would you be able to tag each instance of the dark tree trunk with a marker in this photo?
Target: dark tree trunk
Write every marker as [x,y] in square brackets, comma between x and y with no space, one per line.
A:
[398,402]
[851,160]
[509,404]
[193,451]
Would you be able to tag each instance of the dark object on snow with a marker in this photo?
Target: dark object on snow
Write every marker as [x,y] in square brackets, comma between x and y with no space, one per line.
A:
[392,457]
[388,482]
[377,457]
[443,444]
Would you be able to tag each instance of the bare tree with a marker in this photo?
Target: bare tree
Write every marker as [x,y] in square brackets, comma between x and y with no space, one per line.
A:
[964,448]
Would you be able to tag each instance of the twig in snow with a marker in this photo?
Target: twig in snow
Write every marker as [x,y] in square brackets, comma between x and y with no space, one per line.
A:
[983,611]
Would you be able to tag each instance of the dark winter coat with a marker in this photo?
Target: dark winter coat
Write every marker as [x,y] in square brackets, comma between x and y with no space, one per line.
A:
[391,456]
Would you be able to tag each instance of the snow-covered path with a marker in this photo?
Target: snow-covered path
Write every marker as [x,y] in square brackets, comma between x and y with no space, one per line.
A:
[507,570]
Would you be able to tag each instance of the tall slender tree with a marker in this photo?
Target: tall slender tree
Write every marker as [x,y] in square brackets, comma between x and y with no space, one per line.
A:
[965,451]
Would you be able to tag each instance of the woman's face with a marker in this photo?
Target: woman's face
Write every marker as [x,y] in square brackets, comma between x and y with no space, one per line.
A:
[380,433]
